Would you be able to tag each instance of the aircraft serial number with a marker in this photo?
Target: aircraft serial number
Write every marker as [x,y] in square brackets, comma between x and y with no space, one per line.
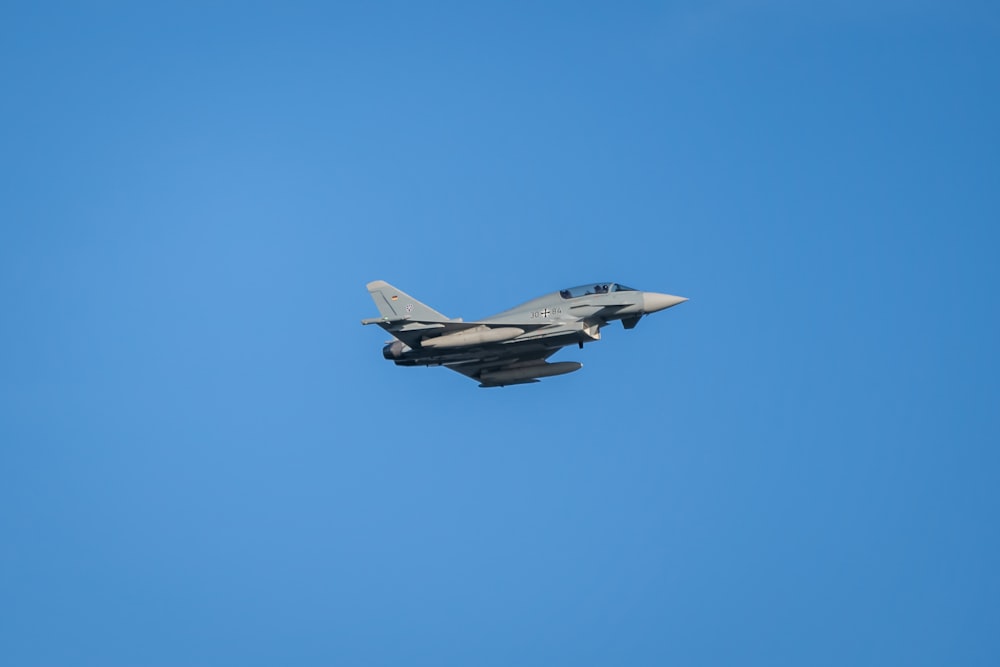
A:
[546,312]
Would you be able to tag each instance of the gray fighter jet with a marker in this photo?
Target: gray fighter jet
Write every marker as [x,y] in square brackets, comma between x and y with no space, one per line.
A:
[510,347]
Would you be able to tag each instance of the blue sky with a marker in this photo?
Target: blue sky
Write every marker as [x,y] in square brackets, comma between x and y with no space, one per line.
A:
[206,461]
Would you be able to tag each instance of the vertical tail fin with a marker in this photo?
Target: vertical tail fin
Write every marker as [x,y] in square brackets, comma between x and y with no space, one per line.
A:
[396,304]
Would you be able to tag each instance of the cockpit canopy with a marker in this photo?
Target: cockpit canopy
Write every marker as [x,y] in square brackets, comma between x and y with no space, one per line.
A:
[594,288]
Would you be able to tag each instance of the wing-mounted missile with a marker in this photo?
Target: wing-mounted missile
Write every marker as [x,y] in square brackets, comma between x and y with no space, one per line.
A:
[477,336]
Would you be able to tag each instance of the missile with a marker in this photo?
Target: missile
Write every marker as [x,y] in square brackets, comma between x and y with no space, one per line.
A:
[530,372]
[476,336]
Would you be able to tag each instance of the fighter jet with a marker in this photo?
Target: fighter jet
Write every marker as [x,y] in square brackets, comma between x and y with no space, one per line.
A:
[510,347]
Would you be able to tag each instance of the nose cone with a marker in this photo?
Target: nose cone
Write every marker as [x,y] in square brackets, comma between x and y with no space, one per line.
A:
[653,301]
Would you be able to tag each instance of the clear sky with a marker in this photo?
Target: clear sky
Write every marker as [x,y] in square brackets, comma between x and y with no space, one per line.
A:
[204,460]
